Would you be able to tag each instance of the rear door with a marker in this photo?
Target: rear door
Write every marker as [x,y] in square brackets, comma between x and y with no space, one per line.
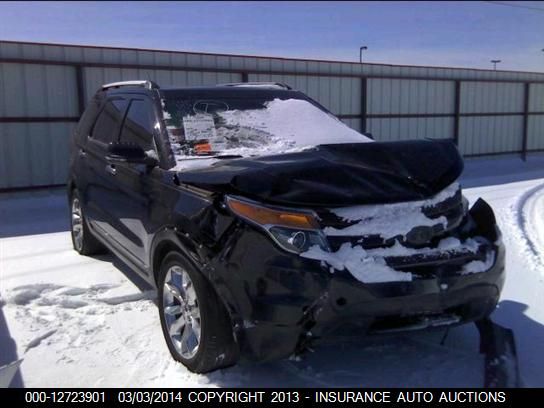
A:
[99,193]
[134,182]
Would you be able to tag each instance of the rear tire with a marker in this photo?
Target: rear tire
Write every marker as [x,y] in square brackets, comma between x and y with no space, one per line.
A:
[83,241]
[194,321]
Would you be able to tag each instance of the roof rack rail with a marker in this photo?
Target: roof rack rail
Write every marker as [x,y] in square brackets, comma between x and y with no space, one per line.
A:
[146,84]
[258,84]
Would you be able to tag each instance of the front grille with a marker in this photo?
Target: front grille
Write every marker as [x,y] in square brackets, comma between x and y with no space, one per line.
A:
[425,262]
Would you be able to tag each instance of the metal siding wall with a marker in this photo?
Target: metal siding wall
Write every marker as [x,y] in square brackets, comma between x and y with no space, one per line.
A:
[95,77]
[342,96]
[536,98]
[353,123]
[37,90]
[37,153]
[398,96]
[170,59]
[34,154]
[485,97]
[404,96]
[535,133]
[488,134]
[394,129]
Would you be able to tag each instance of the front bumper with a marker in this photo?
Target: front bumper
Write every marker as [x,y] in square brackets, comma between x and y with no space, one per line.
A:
[279,302]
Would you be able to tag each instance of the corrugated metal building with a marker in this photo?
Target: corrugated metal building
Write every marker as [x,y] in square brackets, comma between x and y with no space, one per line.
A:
[44,88]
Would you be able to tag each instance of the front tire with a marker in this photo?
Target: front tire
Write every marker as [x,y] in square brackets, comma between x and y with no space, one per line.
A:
[83,240]
[195,324]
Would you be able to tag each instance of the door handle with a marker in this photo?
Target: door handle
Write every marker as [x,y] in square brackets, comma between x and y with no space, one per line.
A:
[82,153]
[110,168]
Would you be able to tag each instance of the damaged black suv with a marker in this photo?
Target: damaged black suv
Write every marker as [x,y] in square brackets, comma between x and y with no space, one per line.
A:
[267,224]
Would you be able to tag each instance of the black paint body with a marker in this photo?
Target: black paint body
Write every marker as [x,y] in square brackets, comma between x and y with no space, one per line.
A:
[275,298]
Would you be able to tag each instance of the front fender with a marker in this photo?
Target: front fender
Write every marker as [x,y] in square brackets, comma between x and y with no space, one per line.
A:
[172,239]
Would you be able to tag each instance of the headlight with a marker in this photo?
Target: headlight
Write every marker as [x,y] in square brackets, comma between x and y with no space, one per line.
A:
[294,231]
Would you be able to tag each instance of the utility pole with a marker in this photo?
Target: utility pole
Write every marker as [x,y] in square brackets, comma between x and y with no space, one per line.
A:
[495,62]
[364,47]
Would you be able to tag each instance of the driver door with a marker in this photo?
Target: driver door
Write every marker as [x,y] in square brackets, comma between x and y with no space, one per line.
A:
[133,183]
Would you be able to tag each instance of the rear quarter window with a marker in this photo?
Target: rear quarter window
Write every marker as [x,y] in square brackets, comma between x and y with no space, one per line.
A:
[106,127]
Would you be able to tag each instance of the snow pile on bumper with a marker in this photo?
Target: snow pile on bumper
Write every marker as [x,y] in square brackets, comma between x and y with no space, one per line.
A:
[355,259]
[395,261]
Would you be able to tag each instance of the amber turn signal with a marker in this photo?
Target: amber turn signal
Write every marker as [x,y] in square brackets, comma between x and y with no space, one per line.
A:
[267,216]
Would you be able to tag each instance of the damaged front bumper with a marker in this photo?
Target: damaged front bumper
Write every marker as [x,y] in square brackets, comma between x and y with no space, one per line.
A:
[280,302]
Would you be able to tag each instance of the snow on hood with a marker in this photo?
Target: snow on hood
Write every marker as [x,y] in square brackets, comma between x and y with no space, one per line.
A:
[390,220]
[283,126]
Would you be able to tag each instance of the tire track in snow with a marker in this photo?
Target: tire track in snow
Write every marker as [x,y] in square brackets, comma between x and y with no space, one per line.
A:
[530,218]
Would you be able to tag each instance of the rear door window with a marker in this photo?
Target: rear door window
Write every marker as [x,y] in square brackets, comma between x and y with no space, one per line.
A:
[139,124]
[106,127]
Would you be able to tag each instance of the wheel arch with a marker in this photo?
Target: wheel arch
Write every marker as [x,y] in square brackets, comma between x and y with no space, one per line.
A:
[159,253]
[70,187]
[170,240]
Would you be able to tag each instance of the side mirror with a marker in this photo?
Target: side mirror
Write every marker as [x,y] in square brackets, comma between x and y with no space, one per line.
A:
[123,152]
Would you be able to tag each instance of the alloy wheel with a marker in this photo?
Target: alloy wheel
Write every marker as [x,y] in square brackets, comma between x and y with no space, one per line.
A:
[181,312]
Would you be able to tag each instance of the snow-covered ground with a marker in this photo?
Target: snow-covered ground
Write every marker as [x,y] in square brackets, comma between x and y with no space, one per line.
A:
[80,321]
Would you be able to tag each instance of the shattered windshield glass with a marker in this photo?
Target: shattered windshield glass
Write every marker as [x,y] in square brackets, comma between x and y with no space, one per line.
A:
[250,127]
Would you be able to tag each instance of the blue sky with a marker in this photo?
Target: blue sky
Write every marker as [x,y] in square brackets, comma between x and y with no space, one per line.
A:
[464,34]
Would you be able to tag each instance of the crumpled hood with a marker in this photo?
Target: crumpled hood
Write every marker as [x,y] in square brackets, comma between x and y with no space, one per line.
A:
[337,174]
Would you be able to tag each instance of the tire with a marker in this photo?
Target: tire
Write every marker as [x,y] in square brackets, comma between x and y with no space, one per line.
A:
[83,241]
[194,321]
